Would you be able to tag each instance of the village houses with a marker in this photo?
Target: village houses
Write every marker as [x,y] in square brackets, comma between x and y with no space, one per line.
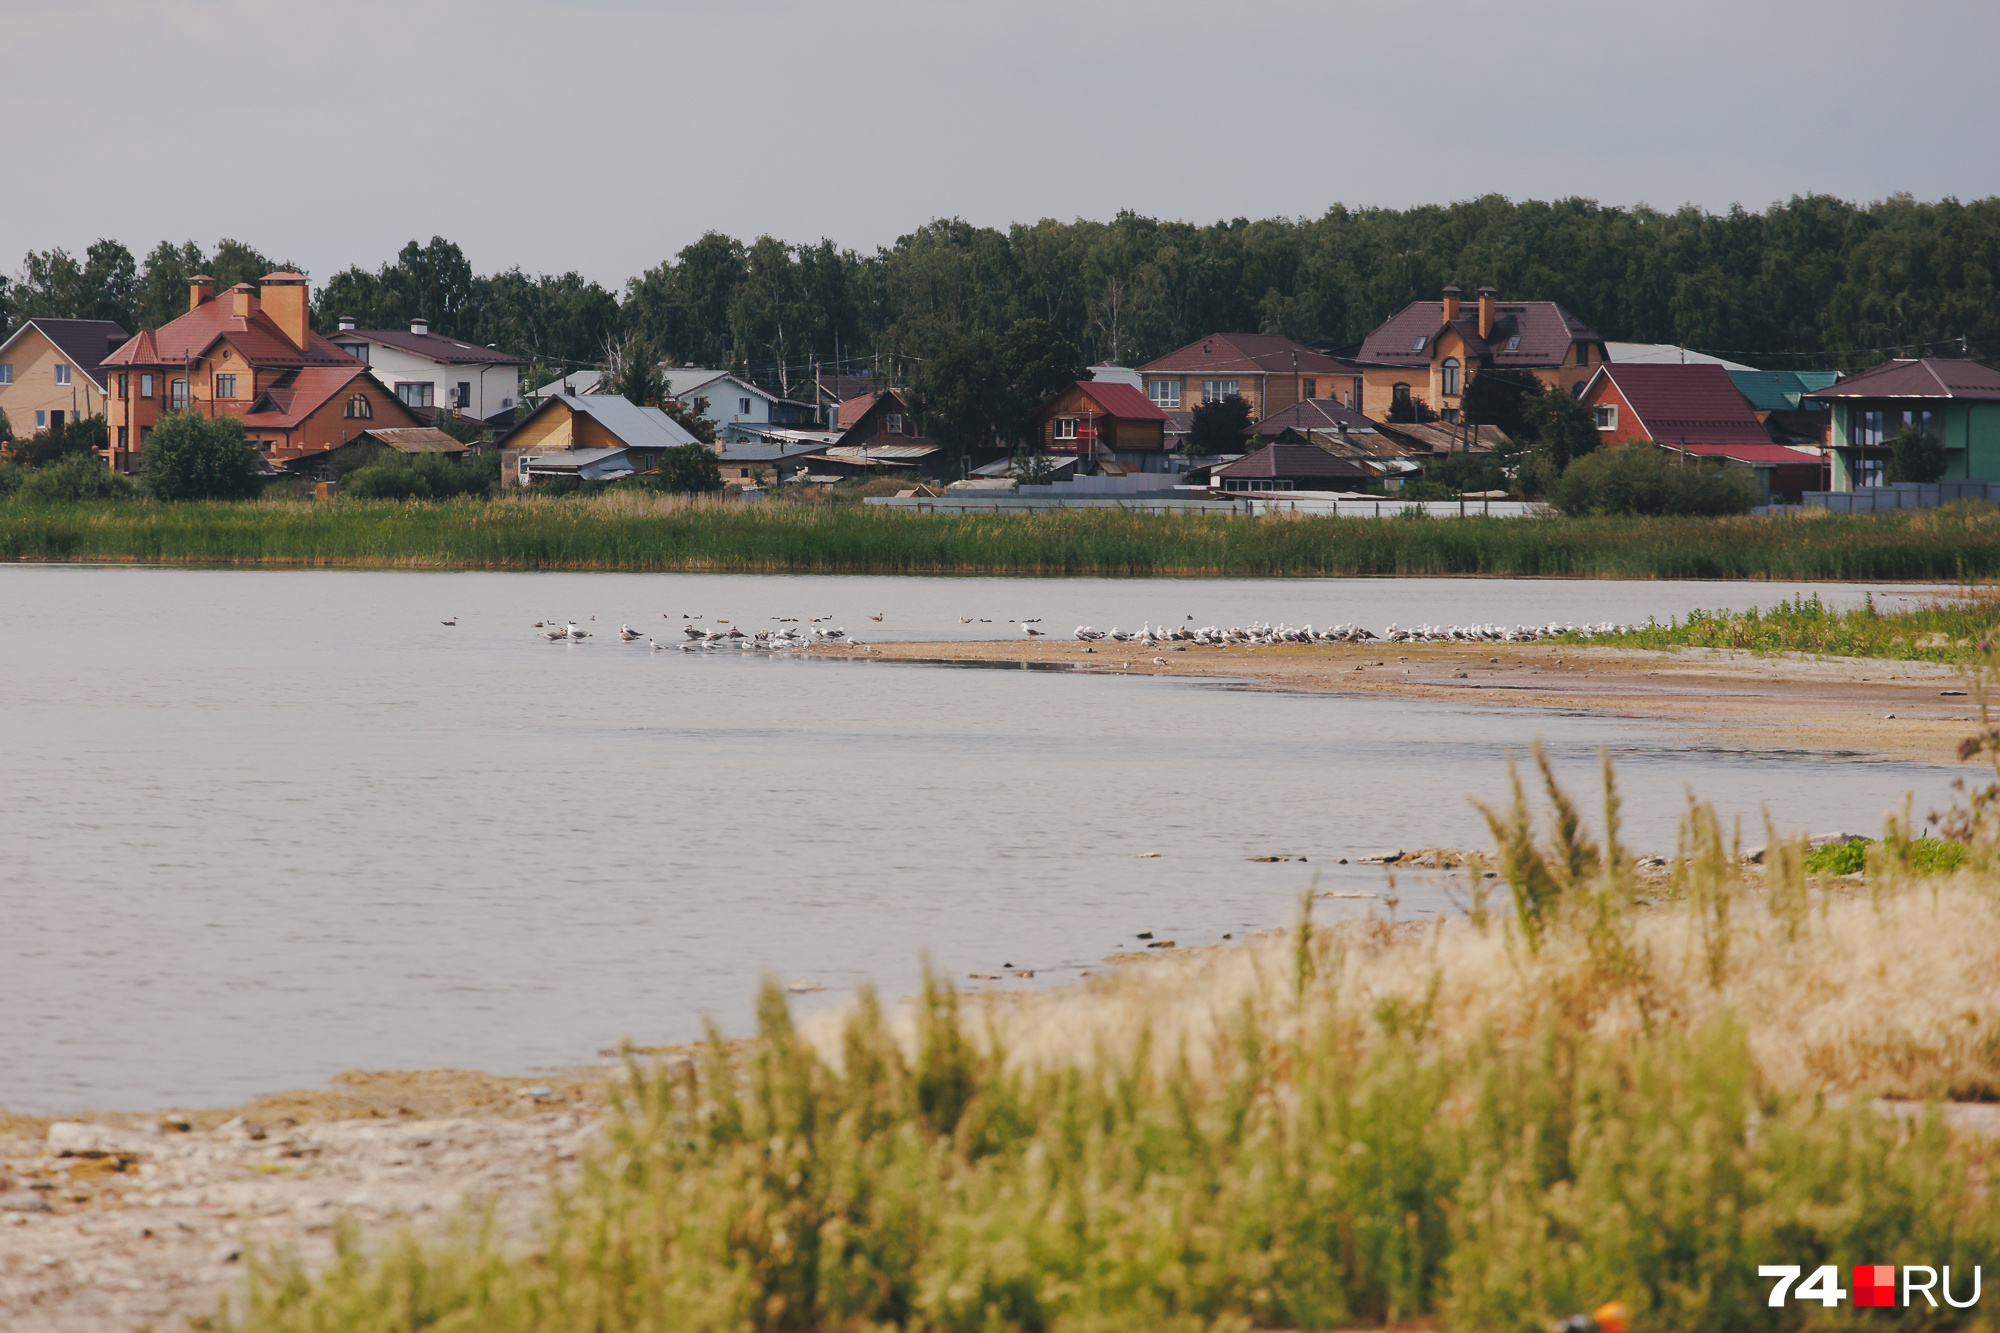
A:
[52,371]
[429,372]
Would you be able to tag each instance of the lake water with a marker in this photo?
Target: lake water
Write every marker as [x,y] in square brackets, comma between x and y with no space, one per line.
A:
[260,827]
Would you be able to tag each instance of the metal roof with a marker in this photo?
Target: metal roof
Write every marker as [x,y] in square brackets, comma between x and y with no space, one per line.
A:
[637,427]
[1696,405]
[1922,377]
[437,347]
[877,453]
[1779,390]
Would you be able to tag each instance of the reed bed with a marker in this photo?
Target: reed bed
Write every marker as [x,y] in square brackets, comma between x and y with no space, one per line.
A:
[636,530]
[1592,1086]
[1954,629]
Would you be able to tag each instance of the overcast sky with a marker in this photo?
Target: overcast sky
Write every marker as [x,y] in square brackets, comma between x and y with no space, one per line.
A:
[602,135]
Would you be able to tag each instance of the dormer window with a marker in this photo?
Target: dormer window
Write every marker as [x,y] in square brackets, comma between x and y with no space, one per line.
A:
[1514,343]
[1418,345]
[357,407]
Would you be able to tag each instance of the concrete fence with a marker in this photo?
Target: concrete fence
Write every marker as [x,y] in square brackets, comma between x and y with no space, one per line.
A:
[1242,505]
[1902,495]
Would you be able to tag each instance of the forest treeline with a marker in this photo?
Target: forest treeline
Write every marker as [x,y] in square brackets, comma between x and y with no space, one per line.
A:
[1812,281]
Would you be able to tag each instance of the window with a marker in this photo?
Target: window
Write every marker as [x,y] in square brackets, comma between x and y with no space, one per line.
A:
[122,436]
[177,396]
[1514,343]
[892,423]
[416,395]
[1399,396]
[506,403]
[144,431]
[124,385]
[358,408]
[1418,345]
[1309,389]
[1065,428]
[6,374]
[1451,377]
[1214,391]
[1449,415]
[359,351]
[1164,393]
[1607,416]
[145,386]
[1583,354]
[1865,429]
[41,420]
[62,374]
[743,408]
[225,386]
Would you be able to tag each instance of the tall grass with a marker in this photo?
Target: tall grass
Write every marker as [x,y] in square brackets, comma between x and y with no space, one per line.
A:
[1956,629]
[635,531]
[1560,1099]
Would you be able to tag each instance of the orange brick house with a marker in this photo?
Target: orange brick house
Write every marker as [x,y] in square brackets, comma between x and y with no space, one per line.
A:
[1267,371]
[249,353]
[1429,351]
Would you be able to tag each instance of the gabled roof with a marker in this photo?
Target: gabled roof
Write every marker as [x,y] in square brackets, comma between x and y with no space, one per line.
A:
[1245,354]
[85,343]
[1922,377]
[297,394]
[417,440]
[758,451]
[1665,353]
[1692,405]
[255,335]
[446,351]
[1121,401]
[635,427]
[1545,329]
[1314,414]
[1766,452]
[1295,460]
[1779,390]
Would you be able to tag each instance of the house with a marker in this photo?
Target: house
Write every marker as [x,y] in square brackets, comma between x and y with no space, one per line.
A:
[1267,371]
[1696,409]
[1429,351]
[740,409]
[554,438]
[755,460]
[1399,450]
[429,371]
[1288,466]
[52,371]
[1104,419]
[328,464]
[1957,401]
[248,353]
[1778,399]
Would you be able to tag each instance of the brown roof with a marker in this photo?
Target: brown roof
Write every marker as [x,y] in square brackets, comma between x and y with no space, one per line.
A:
[297,394]
[1313,414]
[1922,377]
[1244,354]
[1299,462]
[1545,330]
[436,346]
[1121,400]
[1695,404]
[255,335]
[417,440]
[85,342]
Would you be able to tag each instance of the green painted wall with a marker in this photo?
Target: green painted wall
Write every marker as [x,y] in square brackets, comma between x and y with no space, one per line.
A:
[1980,430]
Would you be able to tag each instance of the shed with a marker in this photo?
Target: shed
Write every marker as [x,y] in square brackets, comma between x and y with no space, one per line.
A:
[1291,467]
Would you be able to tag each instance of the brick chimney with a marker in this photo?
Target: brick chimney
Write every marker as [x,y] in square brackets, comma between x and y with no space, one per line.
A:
[1487,297]
[200,291]
[1451,295]
[284,300]
[242,299]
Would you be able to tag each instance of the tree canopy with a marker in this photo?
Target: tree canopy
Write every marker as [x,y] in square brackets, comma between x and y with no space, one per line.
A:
[192,457]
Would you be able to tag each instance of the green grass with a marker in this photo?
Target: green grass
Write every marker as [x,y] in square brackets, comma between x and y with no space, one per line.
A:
[1946,629]
[1927,856]
[641,532]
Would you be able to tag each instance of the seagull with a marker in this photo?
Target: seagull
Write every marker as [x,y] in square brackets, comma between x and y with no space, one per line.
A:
[1086,634]
[538,624]
[876,616]
[555,635]
[965,620]
[576,633]
[452,621]
[656,646]
[627,633]
[1031,631]
[1159,661]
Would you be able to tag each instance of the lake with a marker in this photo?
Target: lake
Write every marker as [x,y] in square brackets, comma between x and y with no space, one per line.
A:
[263,826]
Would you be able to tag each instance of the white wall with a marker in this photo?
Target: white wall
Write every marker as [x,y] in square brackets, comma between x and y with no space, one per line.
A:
[494,388]
[726,397]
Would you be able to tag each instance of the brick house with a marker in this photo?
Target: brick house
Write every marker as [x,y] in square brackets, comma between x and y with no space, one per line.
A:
[1100,419]
[52,371]
[1268,371]
[1428,351]
[1696,409]
[248,353]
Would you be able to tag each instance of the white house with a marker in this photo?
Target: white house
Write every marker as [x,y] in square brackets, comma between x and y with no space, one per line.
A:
[741,410]
[429,370]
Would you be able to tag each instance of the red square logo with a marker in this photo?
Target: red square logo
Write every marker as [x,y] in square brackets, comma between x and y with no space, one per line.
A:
[1875,1284]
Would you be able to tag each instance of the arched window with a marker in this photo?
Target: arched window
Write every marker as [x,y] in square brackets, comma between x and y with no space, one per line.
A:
[177,396]
[1451,377]
[357,406]
[1399,395]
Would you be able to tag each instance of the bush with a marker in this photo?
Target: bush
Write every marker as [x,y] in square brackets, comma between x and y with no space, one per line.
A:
[1638,479]
[11,477]
[77,477]
[690,469]
[73,437]
[1917,455]
[399,476]
[192,457]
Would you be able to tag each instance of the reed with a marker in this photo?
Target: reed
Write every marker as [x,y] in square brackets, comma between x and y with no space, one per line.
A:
[634,530]
[1589,1087]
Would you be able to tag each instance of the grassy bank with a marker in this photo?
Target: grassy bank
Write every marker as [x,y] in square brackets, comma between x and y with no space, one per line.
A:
[1594,1087]
[639,531]
[1945,630]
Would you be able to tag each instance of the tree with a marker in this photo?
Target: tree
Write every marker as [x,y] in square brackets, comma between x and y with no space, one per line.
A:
[1560,430]
[163,287]
[1640,479]
[1916,455]
[632,371]
[54,285]
[1036,363]
[959,396]
[1496,398]
[1219,427]
[192,457]
[692,417]
[464,429]
[689,469]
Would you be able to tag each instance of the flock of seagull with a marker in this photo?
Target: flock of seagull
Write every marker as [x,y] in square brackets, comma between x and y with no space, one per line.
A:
[695,638]
[1259,633]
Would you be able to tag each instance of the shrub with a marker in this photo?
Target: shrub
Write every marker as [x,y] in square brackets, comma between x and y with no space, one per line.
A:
[1917,455]
[73,437]
[690,469]
[1640,480]
[399,476]
[192,457]
[1928,856]
[11,477]
[77,477]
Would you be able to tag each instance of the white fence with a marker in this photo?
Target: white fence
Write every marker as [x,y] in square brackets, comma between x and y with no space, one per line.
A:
[1242,505]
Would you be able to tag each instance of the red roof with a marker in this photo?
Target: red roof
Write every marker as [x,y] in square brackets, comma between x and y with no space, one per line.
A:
[1752,453]
[255,335]
[1245,354]
[1697,405]
[1121,400]
[851,409]
[1922,377]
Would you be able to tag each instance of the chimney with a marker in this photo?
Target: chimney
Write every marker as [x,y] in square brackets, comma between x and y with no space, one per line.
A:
[1451,295]
[242,298]
[347,323]
[201,290]
[1487,296]
[420,326]
[284,300]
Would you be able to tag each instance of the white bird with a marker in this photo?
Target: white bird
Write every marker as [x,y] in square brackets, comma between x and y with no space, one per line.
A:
[577,633]
[1159,661]
[655,645]
[1085,634]
[1031,631]
[627,633]
[876,616]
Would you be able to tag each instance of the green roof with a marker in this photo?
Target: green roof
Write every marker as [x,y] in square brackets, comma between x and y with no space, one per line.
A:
[1779,390]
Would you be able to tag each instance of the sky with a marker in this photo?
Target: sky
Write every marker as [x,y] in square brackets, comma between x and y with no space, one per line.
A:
[604,135]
